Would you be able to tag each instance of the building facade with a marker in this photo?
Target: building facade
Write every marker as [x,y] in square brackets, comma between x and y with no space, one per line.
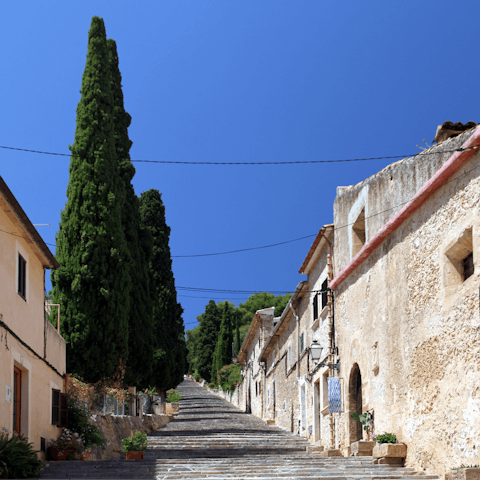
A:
[392,297]
[32,352]
[407,303]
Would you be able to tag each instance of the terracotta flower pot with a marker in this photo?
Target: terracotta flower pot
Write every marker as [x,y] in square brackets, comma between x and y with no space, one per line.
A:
[134,455]
[84,456]
[58,453]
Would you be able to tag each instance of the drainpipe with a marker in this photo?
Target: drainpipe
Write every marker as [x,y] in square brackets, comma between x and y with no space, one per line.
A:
[331,360]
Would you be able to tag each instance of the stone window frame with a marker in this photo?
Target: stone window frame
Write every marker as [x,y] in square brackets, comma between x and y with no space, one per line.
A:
[455,254]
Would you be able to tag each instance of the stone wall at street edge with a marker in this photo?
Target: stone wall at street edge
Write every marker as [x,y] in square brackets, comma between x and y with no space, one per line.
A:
[116,427]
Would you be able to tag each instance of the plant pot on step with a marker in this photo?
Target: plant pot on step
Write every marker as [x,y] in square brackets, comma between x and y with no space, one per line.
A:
[58,453]
[134,455]
[84,456]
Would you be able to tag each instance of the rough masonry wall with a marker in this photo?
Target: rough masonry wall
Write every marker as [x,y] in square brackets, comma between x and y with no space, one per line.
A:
[415,333]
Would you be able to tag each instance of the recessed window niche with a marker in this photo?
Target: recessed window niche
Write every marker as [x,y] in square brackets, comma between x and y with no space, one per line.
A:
[459,265]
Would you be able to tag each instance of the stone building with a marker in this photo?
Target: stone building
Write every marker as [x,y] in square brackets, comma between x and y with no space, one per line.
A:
[250,394]
[32,352]
[404,328]
[407,303]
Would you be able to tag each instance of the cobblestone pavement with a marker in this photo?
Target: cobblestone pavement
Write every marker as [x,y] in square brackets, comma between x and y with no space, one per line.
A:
[210,438]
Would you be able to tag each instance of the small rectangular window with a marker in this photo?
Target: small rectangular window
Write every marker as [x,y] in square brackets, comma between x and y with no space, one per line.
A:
[22,277]
[59,408]
[324,293]
[315,307]
[302,345]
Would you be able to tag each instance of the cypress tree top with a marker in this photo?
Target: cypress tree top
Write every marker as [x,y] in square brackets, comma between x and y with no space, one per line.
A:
[92,283]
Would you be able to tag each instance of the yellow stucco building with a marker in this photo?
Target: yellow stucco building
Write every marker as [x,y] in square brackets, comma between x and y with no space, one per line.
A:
[32,352]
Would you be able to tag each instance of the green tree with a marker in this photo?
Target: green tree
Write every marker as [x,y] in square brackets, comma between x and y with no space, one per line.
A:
[258,301]
[169,363]
[192,349]
[92,283]
[209,328]
[223,349]
[140,244]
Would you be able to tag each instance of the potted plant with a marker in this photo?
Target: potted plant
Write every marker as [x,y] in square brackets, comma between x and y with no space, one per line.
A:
[68,446]
[134,446]
[388,449]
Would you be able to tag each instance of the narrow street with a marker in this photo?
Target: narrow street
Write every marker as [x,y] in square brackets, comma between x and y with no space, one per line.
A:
[210,438]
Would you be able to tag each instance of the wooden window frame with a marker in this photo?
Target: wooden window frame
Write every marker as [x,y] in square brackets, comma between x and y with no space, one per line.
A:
[22,277]
[315,307]
[324,293]
[59,408]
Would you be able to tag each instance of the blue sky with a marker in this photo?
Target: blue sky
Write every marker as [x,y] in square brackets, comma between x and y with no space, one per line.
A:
[237,81]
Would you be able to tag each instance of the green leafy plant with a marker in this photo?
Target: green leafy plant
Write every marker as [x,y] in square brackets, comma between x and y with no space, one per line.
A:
[79,422]
[71,442]
[364,418]
[385,438]
[229,376]
[18,459]
[173,396]
[135,443]
[462,466]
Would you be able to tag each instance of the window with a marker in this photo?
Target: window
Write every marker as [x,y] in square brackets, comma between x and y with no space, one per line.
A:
[268,396]
[22,277]
[315,307]
[358,233]
[324,293]
[460,263]
[302,342]
[59,408]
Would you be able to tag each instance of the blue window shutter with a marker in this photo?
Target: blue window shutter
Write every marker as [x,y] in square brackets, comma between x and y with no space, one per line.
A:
[334,396]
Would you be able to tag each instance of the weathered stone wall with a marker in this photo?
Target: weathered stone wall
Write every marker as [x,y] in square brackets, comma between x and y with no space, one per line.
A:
[407,322]
[116,427]
[384,194]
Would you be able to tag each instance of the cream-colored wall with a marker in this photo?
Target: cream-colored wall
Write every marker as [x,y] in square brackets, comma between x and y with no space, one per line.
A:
[27,320]
[25,317]
[397,309]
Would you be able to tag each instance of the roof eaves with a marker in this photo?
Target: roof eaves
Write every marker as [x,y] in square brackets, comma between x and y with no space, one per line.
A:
[50,260]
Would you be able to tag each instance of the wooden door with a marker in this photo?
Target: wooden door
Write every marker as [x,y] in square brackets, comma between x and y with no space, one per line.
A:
[17,399]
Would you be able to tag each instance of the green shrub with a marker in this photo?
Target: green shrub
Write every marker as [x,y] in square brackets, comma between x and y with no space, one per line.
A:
[135,443]
[18,459]
[78,422]
[462,466]
[229,376]
[173,396]
[386,438]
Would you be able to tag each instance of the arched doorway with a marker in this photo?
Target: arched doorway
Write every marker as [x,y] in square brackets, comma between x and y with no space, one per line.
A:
[355,403]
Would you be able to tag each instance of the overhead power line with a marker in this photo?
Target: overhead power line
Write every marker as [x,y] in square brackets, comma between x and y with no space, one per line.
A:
[291,162]
[300,238]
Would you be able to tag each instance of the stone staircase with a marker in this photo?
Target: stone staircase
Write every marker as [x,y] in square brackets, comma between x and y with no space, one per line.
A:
[212,439]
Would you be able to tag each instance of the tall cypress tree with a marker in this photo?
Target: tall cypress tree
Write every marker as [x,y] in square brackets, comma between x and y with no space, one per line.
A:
[170,351]
[210,321]
[92,284]
[139,241]
[223,348]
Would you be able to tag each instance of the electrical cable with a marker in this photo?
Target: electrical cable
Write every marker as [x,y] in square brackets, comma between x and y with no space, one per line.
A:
[295,239]
[391,157]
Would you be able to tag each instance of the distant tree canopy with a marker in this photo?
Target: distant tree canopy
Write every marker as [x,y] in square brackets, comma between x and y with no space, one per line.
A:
[209,345]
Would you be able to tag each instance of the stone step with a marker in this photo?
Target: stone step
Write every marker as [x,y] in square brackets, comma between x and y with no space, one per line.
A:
[210,438]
